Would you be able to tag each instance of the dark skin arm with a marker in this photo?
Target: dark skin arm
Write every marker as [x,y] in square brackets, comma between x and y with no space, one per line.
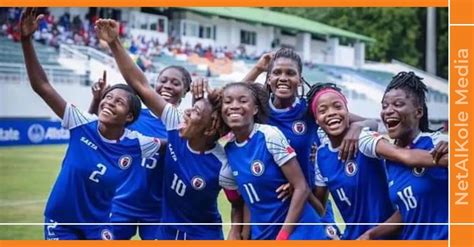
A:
[38,79]
[409,157]
[98,89]
[293,173]
[260,67]
[245,233]
[108,31]
[384,230]
[237,216]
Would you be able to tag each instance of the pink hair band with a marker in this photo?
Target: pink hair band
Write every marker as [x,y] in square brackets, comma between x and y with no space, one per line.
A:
[314,103]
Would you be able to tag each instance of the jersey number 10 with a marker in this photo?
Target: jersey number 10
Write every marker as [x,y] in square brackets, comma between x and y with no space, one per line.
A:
[178,185]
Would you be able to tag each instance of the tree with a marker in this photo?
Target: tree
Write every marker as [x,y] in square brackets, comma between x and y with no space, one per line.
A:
[400,32]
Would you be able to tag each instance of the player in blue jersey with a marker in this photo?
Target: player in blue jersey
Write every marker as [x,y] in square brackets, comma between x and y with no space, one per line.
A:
[100,152]
[138,199]
[261,160]
[420,193]
[195,166]
[359,186]
[289,113]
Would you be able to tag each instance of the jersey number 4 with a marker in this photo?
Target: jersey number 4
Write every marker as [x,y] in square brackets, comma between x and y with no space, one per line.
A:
[95,174]
[406,195]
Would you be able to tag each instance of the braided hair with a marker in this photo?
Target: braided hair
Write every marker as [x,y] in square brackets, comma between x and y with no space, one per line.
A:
[260,97]
[289,54]
[187,79]
[412,84]
[315,89]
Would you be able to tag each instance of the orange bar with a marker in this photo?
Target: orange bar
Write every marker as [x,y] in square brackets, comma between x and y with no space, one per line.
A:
[461,184]
[222,243]
[254,3]
[462,11]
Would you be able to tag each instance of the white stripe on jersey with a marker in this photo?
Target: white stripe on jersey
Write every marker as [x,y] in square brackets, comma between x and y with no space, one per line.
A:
[171,117]
[226,179]
[368,142]
[148,145]
[74,117]
[319,179]
[436,137]
[276,143]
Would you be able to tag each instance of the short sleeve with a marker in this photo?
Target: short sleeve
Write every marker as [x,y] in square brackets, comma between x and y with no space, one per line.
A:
[148,145]
[74,117]
[368,142]
[171,117]
[226,179]
[277,145]
[438,137]
[319,180]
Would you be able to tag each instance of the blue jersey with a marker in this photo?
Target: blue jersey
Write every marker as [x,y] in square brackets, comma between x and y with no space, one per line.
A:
[139,196]
[300,130]
[421,194]
[359,187]
[92,169]
[192,183]
[256,166]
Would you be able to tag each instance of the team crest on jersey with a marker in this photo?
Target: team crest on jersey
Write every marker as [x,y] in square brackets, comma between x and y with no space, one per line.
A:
[257,168]
[350,168]
[299,127]
[419,171]
[331,231]
[198,183]
[125,161]
[106,234]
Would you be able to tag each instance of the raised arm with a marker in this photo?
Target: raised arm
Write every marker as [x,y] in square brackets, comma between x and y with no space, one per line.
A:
[260,67]
[38,79]
[108,31]
[98,88]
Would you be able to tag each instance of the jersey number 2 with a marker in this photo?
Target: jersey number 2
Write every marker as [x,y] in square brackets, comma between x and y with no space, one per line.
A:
[95,174]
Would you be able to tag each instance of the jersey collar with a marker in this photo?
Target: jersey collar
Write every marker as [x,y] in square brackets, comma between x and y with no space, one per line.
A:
[272,106]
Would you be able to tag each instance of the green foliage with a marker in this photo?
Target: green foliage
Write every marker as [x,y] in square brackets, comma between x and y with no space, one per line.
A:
[400,32]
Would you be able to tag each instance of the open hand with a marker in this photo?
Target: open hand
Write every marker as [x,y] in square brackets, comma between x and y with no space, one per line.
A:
[29,22]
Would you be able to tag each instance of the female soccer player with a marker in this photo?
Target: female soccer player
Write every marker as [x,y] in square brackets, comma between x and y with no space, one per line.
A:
[420,193]
[195,167]
[261,160]
[289,113]
[138,199]
[100,152]
[359,186]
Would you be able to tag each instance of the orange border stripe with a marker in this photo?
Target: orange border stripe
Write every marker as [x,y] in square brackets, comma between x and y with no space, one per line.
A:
[255,243]
[254,3]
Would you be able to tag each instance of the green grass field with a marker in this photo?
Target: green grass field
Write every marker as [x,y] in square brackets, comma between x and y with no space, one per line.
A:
[28,173]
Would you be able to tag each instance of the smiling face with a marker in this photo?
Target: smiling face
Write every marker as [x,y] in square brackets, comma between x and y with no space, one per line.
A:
[171,85]
[114,108]
[238,107]
[332,114]
[196,120]
[400,114]
[284,78]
